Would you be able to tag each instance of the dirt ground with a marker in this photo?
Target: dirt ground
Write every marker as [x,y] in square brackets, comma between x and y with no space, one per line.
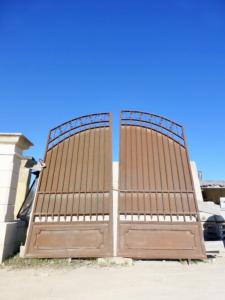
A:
[144,280]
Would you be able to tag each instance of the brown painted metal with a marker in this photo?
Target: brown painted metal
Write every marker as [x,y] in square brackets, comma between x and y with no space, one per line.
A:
[158,214]
[72,213]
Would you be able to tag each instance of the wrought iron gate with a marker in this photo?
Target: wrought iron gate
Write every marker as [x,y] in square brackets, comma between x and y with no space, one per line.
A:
[72,212]
[158,214]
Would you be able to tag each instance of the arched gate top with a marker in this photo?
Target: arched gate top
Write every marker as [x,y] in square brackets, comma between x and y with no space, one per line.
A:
[156,122]
[76,125]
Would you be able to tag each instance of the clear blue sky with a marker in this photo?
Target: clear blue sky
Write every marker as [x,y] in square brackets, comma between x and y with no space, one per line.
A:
[61,59]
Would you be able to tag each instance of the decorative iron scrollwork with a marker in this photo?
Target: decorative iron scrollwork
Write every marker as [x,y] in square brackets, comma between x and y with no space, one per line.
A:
[76,125]
[155,122]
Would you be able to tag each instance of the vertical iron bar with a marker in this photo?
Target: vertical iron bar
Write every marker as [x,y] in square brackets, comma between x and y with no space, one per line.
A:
[92,177]
[154,171]
[48,168]
[57,150]
[149,179]
[61,198]
[88,158]
[66,196]
[104,158]
[175,154]
[70,166]
[81,175]
[142,159]
[76,167]
[167,184]
[160,171]
[98,178]
[136,164]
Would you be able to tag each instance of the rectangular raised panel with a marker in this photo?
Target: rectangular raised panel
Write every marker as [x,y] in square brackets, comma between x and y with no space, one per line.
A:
[71,239]
[159,239]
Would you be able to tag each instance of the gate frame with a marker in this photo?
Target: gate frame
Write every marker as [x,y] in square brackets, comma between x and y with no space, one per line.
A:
[122,246]
[63,129]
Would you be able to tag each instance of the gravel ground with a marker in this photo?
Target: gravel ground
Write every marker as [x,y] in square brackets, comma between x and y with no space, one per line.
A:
[144,280]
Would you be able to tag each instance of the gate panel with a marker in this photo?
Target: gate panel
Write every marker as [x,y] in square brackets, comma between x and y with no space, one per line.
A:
[72,213]
[158,215]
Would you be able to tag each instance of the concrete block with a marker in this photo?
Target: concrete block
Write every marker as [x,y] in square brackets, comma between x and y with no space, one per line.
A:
[8,250]
[214,246]
[18,151]
[12,234]
[10,163]
[2,233]
[6,212]
[8,236]
[4,195]
[119,261]
[5,178]
[6,162]
[22,252]
[7,231]
[7,195]
[222,202]
[196,182]
[7,149]
[14,178]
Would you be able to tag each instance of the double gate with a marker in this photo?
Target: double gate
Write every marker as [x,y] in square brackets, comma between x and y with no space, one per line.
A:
[157,210]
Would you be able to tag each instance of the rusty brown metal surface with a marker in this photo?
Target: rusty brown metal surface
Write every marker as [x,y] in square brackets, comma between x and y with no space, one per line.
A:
[158,214]
[72,214]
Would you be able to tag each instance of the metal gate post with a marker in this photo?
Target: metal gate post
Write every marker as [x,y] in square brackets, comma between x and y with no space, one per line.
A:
[115,205]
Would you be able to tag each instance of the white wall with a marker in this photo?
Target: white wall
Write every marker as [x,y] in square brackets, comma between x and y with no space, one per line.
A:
[196,182]
[12,146]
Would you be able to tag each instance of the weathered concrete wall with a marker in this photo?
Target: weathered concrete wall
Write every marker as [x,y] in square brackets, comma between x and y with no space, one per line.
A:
[12,146]
[213,194]
[196,182]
